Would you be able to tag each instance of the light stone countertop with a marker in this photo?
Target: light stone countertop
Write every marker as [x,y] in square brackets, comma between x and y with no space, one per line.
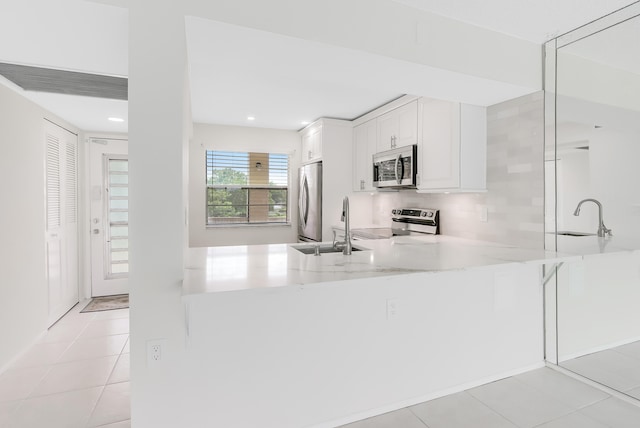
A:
[252,267]
[591,245]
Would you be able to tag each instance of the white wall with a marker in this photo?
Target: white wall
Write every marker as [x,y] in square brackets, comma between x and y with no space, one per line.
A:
[23,284]
[159,126]
[322,355]
[236,138]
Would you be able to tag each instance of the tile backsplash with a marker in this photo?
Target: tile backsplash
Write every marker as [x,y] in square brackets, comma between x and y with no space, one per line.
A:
[514,201]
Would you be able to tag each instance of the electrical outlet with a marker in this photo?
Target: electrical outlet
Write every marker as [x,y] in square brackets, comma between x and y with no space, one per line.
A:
[392,309]
[155,350]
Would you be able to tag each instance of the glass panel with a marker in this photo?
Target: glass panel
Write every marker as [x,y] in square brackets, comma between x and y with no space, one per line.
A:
[116,217]
[120,268]
[118,179]
[227,205]
[119,191]
[118,256]
[119,204]
[278,205]
[228,211]
[593,302]
[118,165]
[119,231]
[277,213]
[119,243]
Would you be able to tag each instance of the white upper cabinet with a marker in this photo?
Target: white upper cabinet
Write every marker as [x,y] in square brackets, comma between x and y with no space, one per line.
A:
[452,147]
[312,143]
[365,137]
[398,127]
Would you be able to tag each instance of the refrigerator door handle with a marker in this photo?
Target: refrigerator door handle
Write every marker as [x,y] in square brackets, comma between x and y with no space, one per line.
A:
[304,202]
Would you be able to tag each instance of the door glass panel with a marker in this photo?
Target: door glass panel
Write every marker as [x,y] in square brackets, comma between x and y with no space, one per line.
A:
[118,178]
[119,192]
[117,203]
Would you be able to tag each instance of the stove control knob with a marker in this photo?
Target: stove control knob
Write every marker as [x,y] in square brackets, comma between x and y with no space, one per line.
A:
[393,212]
[423,214]
[430,214]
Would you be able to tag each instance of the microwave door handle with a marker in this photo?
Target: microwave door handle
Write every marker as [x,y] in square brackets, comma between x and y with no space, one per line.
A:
[399,168]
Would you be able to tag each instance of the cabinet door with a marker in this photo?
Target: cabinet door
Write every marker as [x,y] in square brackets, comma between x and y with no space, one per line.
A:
[399,127]
[387,129]
[312,145]
[439,150]
[364,146]
[407,118]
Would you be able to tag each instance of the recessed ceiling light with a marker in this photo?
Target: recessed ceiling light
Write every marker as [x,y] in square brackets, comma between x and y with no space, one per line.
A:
[305,122]
[116,119]
[251,118]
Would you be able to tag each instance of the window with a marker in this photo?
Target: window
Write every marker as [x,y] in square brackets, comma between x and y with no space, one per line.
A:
[247,187]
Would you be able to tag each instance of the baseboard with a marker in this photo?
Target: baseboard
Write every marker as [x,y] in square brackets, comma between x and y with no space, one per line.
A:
[431,396]
[597,349]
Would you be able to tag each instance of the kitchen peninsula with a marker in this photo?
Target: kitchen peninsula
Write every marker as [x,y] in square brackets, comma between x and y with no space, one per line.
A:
[304,340]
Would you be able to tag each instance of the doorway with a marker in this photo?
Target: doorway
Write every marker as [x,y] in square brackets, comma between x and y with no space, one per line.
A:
[109,217]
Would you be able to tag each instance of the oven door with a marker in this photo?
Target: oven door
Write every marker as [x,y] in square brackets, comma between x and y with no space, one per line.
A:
[395,168]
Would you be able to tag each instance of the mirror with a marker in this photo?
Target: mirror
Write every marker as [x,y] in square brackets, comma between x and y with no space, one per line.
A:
[592,155]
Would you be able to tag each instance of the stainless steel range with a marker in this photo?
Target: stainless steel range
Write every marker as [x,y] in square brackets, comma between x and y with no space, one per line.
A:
[404,221]
[421,220]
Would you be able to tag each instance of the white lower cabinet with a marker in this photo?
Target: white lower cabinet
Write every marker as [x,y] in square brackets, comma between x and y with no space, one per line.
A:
[452,145]
[364,147]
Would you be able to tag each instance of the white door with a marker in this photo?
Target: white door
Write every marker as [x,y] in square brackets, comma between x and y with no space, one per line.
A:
[61,233]
[109,217]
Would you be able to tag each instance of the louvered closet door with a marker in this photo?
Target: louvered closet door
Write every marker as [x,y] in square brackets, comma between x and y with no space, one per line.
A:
[62,219]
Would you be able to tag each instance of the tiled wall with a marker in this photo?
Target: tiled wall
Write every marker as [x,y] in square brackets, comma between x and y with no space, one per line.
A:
[515,183]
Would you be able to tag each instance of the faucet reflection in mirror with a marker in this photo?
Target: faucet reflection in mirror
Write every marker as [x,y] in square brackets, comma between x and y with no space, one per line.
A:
[602,229]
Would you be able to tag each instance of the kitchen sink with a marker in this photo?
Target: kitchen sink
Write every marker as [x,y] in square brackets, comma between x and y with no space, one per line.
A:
[569,233]
[324,248]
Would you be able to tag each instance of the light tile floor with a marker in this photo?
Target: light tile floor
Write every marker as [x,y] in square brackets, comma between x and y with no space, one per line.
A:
[76,376]
[618,368]
[542,398]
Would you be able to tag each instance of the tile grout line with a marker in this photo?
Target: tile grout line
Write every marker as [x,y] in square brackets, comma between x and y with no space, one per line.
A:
[104,387]
[418,417]
[612,392]
[559,399]
[491,408]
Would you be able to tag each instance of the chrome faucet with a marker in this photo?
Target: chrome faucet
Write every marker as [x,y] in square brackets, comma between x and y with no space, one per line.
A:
[346,245]
[602,229]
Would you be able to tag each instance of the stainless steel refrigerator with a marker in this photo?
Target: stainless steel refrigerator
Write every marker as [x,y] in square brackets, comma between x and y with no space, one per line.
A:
[310,203]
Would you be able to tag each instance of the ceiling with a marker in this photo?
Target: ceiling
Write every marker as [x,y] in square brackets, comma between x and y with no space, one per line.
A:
[283,81]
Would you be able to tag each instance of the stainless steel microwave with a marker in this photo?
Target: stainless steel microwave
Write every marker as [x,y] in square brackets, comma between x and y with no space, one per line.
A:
[396,168]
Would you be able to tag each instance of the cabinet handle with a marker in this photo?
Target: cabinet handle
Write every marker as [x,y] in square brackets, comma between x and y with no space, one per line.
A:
[361,184]
[309,155]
